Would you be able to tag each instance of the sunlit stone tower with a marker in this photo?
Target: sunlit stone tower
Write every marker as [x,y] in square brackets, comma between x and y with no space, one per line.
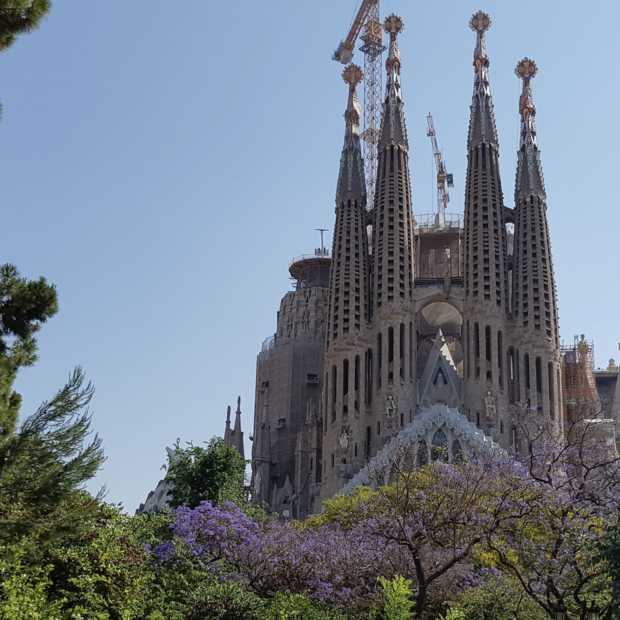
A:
[535,357]
[486,275]
[392,338]
[288,392]
[369,361]
[441,331]
[348,298]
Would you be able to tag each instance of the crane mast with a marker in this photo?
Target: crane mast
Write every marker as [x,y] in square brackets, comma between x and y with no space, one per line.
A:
[367,20]
[444,178]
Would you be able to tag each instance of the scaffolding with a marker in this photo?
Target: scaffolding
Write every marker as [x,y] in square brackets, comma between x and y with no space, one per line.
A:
[368,21]
[579,386]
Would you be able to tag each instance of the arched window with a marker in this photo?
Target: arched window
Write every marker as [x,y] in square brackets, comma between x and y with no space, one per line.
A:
[439,450]
[422,453]
[390,355]
[457,452]
[379,359]
[440,378]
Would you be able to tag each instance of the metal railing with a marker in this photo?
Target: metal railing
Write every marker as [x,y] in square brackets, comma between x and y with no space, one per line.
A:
[318,253]
[428,222]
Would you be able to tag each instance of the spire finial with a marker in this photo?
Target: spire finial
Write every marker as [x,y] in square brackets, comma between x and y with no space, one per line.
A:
[228,415]
[238,404]
[393,25]
[480,22]
[525,70]
[352,75]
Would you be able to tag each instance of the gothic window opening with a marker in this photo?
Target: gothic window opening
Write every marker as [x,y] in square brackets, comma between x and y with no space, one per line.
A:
[457,452]
[487,347]
[379,359]
[439,450]
[334,391]
[440,377]
[402,351]
[390,355]
[422,453]
[538,375]
[500,358]
[345,386]
[526,369]
[369,376]
[551,375]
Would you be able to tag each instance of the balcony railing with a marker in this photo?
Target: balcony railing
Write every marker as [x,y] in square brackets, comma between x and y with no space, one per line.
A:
[427,222]
[318,253]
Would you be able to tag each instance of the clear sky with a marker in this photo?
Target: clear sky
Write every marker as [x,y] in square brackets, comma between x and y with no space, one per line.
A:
[163,161]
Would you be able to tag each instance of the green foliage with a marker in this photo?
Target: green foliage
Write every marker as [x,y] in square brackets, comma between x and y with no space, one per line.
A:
[23,586]
[226,601]
[287,606]
[454,613]
[214,473]
[105,574]
[24,306]
[18,16]
[499,597]
[345,510]
[610,549]
[45,463]
[397,598]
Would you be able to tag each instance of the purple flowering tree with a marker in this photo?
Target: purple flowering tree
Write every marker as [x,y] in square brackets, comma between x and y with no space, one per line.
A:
[329,563]
[440,514]
[553,549]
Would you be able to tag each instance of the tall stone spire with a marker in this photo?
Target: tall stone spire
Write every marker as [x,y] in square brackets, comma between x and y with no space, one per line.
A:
[391,354]
[486,276]
[234,437]
[534,305]
[348,291]
[393,130]
[227,430]
[393,219]
[237,432]
[351,178]
[530,180]
[482,122]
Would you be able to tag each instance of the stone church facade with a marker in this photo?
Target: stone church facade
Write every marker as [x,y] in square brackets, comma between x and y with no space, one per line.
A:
[446,332]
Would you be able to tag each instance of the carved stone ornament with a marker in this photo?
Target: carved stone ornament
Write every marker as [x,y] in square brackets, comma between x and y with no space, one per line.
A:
[490,405]
[391,406]
[344,439]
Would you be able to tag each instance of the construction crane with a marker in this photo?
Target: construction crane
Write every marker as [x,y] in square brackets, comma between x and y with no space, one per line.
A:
[444,178]
[367,20]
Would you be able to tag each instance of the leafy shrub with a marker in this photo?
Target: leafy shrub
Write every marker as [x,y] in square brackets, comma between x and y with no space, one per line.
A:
[226,601]
[286,606]
[498,597]
[397,601]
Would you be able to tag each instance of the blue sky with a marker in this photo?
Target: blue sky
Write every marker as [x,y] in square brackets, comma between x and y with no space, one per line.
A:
[163,166]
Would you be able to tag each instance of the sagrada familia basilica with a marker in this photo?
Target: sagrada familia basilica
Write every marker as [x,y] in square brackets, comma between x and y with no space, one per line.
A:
[444,330]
